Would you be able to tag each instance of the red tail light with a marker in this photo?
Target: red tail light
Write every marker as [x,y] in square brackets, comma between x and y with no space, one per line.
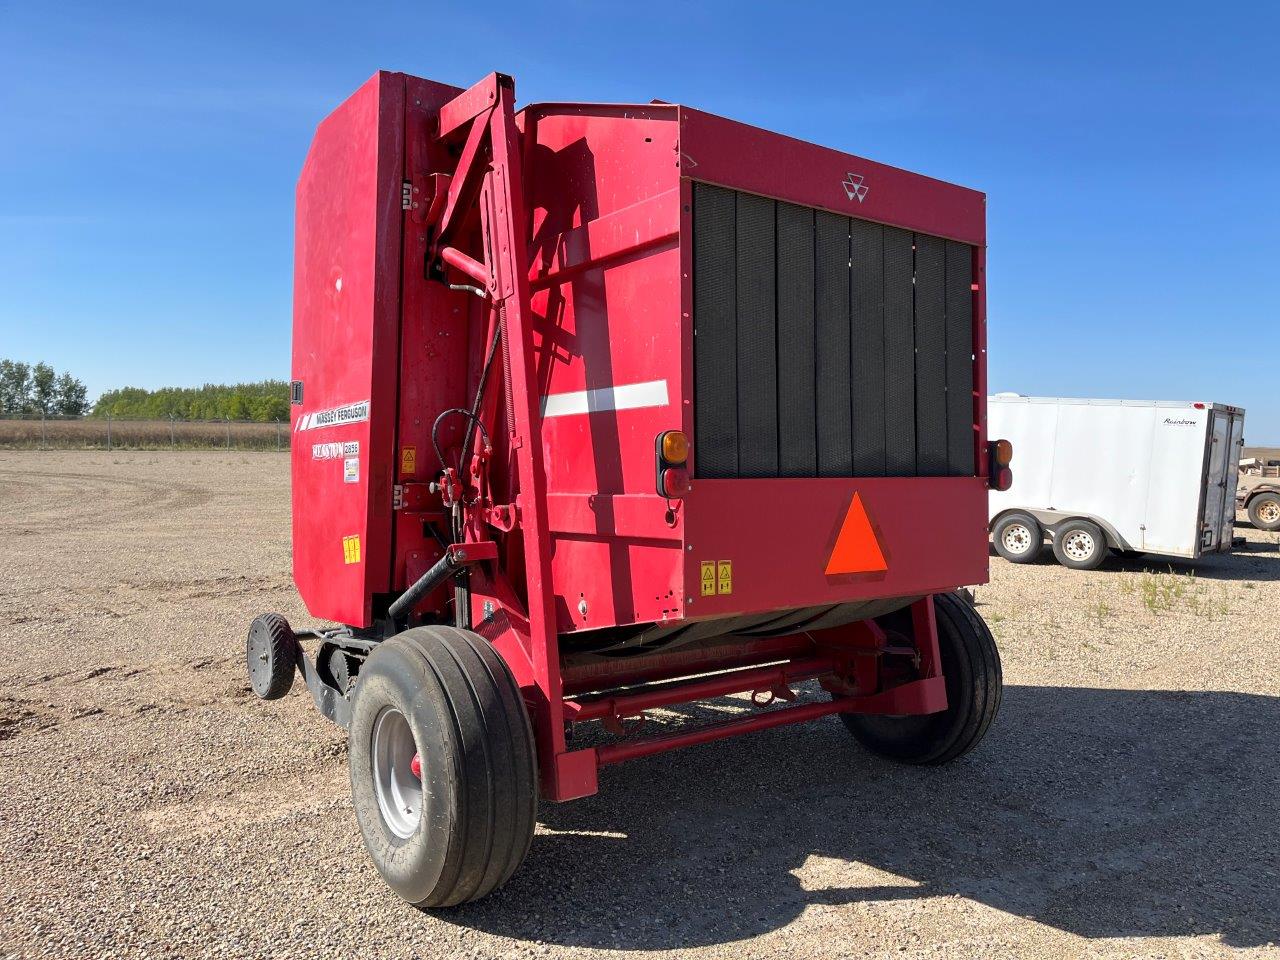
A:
[675,483]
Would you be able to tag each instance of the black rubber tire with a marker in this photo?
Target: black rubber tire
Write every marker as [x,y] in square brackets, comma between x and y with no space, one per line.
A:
[1034,532]
[1255,511]
[472,733]
[975,684]
[271,656]
[1093,560]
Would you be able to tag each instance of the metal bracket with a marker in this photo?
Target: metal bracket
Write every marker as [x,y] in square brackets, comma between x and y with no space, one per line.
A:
[762,698]
[329,700]
[502,516]
[410,497]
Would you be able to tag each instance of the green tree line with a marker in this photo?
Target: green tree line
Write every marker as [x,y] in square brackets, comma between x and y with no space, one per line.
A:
[263,402]
[28,389]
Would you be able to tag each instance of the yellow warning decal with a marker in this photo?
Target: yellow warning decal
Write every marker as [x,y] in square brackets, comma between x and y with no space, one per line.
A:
[408,460]
[708,578]
[724,578]
[351,549]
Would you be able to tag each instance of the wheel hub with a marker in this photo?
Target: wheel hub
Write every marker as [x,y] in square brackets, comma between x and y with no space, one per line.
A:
[1078,545]
[259,658]
[1016,538]
[397,785]
[1269,511]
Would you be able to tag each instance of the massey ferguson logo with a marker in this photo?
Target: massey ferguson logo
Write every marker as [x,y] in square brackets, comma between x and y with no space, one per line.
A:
[854,188]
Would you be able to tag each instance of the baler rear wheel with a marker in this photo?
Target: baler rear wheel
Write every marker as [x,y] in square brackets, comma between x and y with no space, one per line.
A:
[971,668]
[442,766]
[271,655]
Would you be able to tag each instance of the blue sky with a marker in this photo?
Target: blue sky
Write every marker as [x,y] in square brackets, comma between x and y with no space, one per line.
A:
[1129,152]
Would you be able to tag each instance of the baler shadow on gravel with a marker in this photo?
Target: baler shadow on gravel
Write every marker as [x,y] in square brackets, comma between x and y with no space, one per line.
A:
[599,409]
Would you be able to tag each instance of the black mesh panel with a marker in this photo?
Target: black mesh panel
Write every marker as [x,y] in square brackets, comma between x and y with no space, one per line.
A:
[797,408]
[867,347]
[757,339]
[899,355]
[959,358]
[715,354]
[931,357]
[826,345]
[831,335]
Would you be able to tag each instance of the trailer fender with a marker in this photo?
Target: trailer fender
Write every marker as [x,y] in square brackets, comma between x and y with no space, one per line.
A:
[1246,497]
[1051,520]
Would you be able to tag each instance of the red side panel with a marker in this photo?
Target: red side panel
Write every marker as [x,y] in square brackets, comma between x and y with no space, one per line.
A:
[756,545]
[716,150]
[605,199]
[346,306]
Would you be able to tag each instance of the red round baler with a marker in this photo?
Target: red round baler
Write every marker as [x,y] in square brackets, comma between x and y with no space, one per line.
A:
[599,409]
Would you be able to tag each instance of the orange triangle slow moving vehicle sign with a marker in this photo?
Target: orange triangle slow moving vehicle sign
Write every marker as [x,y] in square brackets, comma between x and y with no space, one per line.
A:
[857,550]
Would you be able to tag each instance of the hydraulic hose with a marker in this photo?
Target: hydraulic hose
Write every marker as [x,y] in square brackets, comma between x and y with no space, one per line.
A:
[440,571]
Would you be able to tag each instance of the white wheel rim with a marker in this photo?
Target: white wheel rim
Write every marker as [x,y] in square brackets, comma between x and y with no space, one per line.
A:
[1269,511]
[399,791]
[1079,545]
[1016,538]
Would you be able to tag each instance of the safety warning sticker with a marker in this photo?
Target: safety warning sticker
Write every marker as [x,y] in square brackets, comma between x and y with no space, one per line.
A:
[708,578]
[408,461]
[724,576]
[351,470]
[351,549]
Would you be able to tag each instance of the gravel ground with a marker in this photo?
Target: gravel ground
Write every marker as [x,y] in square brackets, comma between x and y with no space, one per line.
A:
[1125,803]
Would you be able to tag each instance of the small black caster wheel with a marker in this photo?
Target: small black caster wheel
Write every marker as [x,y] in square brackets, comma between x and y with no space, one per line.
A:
[271,653]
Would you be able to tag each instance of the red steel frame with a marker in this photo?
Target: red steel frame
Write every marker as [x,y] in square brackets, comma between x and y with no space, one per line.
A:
[482,205]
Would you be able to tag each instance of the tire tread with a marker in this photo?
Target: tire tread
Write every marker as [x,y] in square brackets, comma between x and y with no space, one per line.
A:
[284,655]
[978,680]
[496,783]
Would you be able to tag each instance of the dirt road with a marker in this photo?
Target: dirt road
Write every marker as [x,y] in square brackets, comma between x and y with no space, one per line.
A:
[1125,804]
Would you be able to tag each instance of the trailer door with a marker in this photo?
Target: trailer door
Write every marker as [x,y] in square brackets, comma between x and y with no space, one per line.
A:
[1235,448]
[1217,520]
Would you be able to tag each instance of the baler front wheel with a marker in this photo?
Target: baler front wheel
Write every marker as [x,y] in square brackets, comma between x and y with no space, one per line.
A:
[442,766]
[271,655]
[971,668]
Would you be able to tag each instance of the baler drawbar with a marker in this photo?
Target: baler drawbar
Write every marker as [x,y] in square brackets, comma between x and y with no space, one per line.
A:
[604,409]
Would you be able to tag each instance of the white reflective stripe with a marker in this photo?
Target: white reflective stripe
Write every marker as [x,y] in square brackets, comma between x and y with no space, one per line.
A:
[629,396]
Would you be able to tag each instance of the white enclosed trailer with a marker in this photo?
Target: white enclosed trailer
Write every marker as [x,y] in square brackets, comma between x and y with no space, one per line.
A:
[1155,477]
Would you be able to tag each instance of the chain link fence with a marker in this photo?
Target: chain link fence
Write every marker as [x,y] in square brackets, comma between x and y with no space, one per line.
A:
[37,432]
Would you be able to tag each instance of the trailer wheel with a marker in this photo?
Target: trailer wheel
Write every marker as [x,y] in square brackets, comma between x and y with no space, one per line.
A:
[1018,537]
[271,654]
[1264,511]
[442,766]
[971,668]
[1080,545]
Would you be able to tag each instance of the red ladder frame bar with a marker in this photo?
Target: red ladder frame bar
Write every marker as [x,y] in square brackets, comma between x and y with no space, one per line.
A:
[492,185]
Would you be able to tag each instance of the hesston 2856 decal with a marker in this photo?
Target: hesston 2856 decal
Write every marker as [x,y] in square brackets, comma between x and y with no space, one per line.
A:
[335,451]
